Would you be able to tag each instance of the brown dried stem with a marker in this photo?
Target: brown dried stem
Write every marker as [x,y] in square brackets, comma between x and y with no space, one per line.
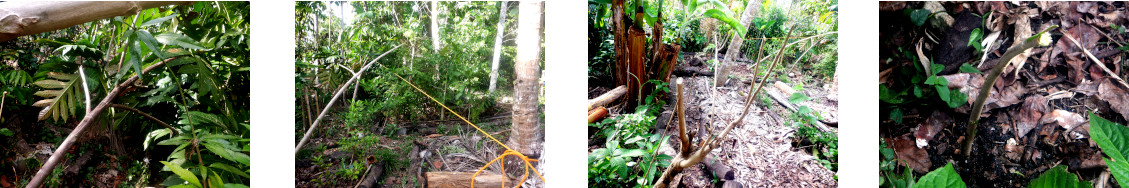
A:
[134,110]
[687,158]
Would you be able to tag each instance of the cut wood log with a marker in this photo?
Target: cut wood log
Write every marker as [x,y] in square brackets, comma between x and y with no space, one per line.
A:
[608,97]
[718,169]
[597,114]
[372,176]
[784,102]
[462,179]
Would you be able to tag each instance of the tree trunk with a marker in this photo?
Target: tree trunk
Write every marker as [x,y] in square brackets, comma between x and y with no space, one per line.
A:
[527,134]
[497,47]
[735,44]
[21,18]
[435,42]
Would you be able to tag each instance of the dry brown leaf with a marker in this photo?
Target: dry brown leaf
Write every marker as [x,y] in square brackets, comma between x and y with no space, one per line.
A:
[1117,97]
[928,129]
[1030,115]
[1014,151]
[909,155]
[1022,32]
[1065,119]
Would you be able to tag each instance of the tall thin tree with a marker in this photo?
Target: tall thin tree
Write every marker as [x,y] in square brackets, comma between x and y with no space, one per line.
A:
[497,47]
[527,134]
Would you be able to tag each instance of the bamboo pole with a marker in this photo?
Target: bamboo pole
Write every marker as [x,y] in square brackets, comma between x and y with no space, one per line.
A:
[334,99]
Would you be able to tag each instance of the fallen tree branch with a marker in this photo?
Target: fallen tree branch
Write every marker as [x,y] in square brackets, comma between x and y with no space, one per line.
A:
[162,123]
[61,151]
[607,97]
[784,102]
[335,96]
[597,114]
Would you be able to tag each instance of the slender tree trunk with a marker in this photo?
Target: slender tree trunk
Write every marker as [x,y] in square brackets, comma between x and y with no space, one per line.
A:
[21,18]
[435,42]
[527,134]
[735,43]
[497,46]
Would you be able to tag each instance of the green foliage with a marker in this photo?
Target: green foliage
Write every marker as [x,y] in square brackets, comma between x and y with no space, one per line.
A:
[941,177]
[1058,177]
[6,132]
[975,38]
[629,154]
[888,166]
[964,67]
[826,145]
[64,96]
[919,16]
[351,170]
[361,113]
[1113,138]
[920,89]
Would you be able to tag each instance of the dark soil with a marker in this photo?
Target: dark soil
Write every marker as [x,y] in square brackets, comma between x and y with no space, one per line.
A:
[1047,72]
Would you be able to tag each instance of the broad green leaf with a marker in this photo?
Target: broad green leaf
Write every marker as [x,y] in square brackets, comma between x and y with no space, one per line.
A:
[1111,137]
[215,179]
[728,19]
[154,135]
[183,173]
[1058,177]
[798,97]
[975,37]
[232,185]
[919,16]
[151,43]
[969,69]
[956,99]
[201,118]
[174,39]
[63,93]
[230,169]
[205,81]
[632,153]
[1119,170]
[158,20]
[942,177]
[6,132]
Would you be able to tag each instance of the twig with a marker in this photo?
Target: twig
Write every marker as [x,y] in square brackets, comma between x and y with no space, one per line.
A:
[1097,61]
[61,151]
[1040,39]
[162,123]
[85,88]
[335,96]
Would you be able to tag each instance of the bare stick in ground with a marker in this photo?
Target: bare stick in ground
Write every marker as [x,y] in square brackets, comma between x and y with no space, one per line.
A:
[335,96]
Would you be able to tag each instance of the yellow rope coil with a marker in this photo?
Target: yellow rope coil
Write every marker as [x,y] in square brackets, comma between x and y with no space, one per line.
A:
[499,158]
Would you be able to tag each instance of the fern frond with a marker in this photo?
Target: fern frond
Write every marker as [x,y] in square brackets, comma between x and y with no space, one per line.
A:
[63,93]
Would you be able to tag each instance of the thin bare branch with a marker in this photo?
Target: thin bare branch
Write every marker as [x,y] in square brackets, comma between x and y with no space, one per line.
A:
[134,110]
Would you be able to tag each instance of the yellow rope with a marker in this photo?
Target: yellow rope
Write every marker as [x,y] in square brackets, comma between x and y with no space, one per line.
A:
[500,157]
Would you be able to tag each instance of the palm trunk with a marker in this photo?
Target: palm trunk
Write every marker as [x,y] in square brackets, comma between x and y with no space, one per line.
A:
[527,134]
[734,51]
[497,47]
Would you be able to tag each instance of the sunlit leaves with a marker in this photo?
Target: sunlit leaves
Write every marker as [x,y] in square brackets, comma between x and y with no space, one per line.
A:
[63,96]
[178,40]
